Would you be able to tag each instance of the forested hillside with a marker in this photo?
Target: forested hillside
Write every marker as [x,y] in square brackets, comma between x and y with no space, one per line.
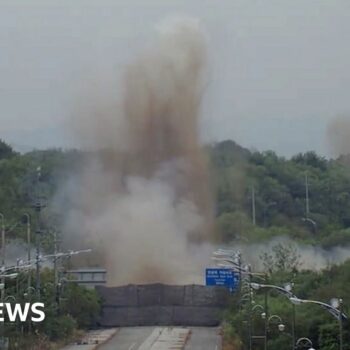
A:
[27,180]
[276,185]
[279,187]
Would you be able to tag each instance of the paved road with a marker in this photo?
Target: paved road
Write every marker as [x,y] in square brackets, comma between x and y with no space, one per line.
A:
[204,339]
[135,338]
[92,338]
[128,338]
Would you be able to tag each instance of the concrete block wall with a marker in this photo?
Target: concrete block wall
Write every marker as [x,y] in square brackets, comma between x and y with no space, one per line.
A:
[159,304]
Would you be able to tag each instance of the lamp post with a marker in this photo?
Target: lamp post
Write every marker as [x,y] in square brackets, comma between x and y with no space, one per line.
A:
[336,310]
[29,291]
[286,291]
[264,277]
[281,326]
[247,299]
[28,224]
[340,324]
[38,207]
[304,343]
[253,206]
[56,256]
[3,257]
[260,308]
[246,271]
[3,276]
[307,204]
[12,297]
[9,275]
[312,222]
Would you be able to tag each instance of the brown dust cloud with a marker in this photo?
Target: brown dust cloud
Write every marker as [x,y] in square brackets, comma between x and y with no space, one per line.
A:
[142,199]
[338,135]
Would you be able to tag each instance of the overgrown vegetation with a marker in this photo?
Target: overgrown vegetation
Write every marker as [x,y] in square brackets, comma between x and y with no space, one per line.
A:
[312,321]
[25,180]
[280,210]
[67,308]
[280,195]
[279,190]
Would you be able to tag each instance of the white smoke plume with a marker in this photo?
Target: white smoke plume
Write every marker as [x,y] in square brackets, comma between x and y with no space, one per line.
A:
[142,198]
[311,257]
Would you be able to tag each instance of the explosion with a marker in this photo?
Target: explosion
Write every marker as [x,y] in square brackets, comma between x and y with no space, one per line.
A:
[142,200]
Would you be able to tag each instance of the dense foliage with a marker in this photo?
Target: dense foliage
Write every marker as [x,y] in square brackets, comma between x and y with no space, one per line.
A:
[312,321]
[279,191]
[67,307]
[277,187]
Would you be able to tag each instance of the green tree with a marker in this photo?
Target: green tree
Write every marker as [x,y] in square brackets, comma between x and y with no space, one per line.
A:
[82,304]
[6,150]
[283,257]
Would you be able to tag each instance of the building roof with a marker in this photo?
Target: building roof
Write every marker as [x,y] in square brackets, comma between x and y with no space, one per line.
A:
[88,270]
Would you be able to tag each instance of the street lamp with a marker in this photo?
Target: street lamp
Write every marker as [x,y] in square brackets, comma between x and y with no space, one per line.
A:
[335,309]
[286,291]
[261,308]
[8,297]
[246,297]
[3,276]
[230,254]
[304,343]
[312,222]
[48,288]
[230,259]
[28,223]
[2,252]
[246,271]
[281,326]
[9,275]
[29,291]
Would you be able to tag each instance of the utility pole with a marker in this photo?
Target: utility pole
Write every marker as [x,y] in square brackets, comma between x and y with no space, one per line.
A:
[27,216]
[266,307]
[29,247]
[3,254]
[340,324]
[253,205]
[56,277]
[307,205]
[55,267]
[250,321]
[38,207]
[3,258]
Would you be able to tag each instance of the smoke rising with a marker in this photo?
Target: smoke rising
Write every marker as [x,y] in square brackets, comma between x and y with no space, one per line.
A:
[142,200]
[338,133]
[310,257]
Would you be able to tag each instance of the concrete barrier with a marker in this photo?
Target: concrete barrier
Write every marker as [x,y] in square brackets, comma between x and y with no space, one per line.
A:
[165,305]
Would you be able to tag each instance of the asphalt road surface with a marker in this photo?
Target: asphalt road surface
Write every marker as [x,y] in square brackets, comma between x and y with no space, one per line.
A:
[164,338]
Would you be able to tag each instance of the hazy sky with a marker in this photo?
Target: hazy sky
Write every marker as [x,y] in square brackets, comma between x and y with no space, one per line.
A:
[279,70]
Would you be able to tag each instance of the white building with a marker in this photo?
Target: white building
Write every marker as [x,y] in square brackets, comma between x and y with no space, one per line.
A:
[88,277]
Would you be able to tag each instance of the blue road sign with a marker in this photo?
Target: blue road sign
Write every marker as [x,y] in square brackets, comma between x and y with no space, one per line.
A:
[222,277]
